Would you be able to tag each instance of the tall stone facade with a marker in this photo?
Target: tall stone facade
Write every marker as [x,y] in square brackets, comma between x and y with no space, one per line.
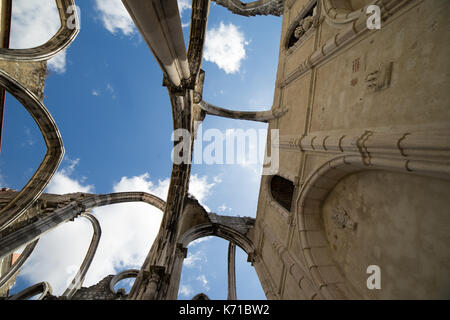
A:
[365,147]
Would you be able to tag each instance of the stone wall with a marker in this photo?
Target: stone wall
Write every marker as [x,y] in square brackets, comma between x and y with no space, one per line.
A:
[340,80]
[32,75]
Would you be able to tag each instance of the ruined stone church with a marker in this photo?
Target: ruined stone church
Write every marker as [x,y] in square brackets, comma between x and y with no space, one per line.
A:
[359,207]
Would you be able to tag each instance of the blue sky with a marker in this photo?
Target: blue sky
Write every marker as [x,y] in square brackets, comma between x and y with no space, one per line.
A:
[114,116]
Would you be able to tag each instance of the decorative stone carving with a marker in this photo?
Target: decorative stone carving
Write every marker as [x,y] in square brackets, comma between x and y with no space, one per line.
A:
[380,78]
[259,7]
[337,42]
[343,220]
[299,31]
[305,22]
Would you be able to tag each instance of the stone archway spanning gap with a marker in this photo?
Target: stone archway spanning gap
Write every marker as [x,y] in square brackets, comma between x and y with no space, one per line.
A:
[43,288]
[234,235]
[55,151]
[36,229]
[78,280]
[70,27]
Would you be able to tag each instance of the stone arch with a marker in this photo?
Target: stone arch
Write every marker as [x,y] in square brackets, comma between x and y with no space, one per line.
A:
[235,236]
[55,151]
[35,230]
[260,116]
[18,264]
[132,273]
[70,27]
[90,202]
[79,277]
[221,231]
[43,288]
[308,210]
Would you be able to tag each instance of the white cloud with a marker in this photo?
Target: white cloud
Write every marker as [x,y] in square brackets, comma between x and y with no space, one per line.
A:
[62,183]
[58,255]
[184,5]
[186,290]
[111,90]
[29,138]
[143,183]
[33,24]
[203,281]
[200,188]
[192,259]
[95,93]
[58,63]
[200,240]
[2,181]
[115,17]
[224,208]
[225,46]
[252,157]
[128,231]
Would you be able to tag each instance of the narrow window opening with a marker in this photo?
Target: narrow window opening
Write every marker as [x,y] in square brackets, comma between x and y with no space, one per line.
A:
[282,191]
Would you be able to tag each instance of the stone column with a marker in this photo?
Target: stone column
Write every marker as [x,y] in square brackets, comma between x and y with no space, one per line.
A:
[180,255]
[5,22]
[232,271]
[155,282]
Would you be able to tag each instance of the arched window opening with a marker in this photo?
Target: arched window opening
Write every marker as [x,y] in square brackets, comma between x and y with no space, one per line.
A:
[124,286]
[205,270]
[282,191]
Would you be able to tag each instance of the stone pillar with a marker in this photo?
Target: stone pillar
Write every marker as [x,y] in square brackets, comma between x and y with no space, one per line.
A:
[232,271]
[155,282]
[180,255]
[5,22]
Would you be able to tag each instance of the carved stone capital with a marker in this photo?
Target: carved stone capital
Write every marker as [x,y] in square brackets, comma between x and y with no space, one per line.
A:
[181,251]
[253,257]
[156,274]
